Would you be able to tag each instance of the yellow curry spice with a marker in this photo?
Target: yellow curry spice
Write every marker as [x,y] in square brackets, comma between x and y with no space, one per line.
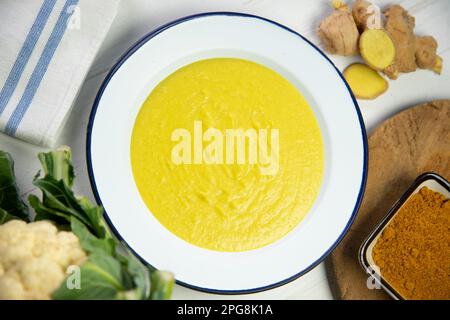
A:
[413,252]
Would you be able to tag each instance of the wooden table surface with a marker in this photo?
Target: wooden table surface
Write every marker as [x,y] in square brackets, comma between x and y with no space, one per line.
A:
[138,17]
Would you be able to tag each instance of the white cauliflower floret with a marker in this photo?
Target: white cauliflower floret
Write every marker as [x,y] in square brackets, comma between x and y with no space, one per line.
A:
[34,258]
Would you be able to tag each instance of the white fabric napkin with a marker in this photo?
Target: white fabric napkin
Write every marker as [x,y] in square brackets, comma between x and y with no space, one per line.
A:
[46,49]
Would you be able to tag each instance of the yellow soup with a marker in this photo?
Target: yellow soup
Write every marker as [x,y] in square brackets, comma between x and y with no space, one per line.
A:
[227,154]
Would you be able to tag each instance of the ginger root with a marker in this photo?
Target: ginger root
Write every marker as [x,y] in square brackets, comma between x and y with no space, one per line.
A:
[412,51]
[366,15]
[425,52]
[365,82]
[377,48]
[400,26]
[338,31]
[426,57]
[392,49]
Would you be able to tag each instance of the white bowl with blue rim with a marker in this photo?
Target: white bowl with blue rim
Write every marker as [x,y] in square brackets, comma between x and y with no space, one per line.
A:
[226,34]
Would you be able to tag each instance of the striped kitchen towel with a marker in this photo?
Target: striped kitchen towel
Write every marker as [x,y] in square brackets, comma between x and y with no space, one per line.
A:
[46,49]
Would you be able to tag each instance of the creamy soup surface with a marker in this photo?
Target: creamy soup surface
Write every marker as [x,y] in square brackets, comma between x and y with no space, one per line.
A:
[186,160]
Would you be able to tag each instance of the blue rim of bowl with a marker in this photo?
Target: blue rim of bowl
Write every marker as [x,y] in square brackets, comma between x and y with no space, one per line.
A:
[137,46]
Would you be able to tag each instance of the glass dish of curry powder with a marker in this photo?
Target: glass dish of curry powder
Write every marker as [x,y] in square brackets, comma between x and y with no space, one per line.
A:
[410,249]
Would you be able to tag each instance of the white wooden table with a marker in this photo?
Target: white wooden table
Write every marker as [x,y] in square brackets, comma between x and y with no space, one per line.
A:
[138,17]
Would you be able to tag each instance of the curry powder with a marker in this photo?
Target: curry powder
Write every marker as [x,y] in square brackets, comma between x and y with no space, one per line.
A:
[413,251]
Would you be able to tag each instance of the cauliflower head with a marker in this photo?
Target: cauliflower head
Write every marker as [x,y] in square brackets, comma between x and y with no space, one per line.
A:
[34,258]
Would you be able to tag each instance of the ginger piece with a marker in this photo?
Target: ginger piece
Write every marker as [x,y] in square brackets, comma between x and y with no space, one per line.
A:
[338,4]
[391,71]
[426,56]
[377,48]
[400,27]
[366,15]
[438,65]
[412,51]
[338,31]
[365,82]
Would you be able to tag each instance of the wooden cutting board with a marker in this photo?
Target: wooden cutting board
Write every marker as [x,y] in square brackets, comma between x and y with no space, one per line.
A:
[412,142]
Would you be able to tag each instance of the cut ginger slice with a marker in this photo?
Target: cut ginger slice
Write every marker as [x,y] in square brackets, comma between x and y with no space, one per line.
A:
[365,82]
[377,48]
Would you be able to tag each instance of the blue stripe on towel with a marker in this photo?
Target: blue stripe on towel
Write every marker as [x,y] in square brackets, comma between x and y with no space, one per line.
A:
[25,53]
[41,67]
